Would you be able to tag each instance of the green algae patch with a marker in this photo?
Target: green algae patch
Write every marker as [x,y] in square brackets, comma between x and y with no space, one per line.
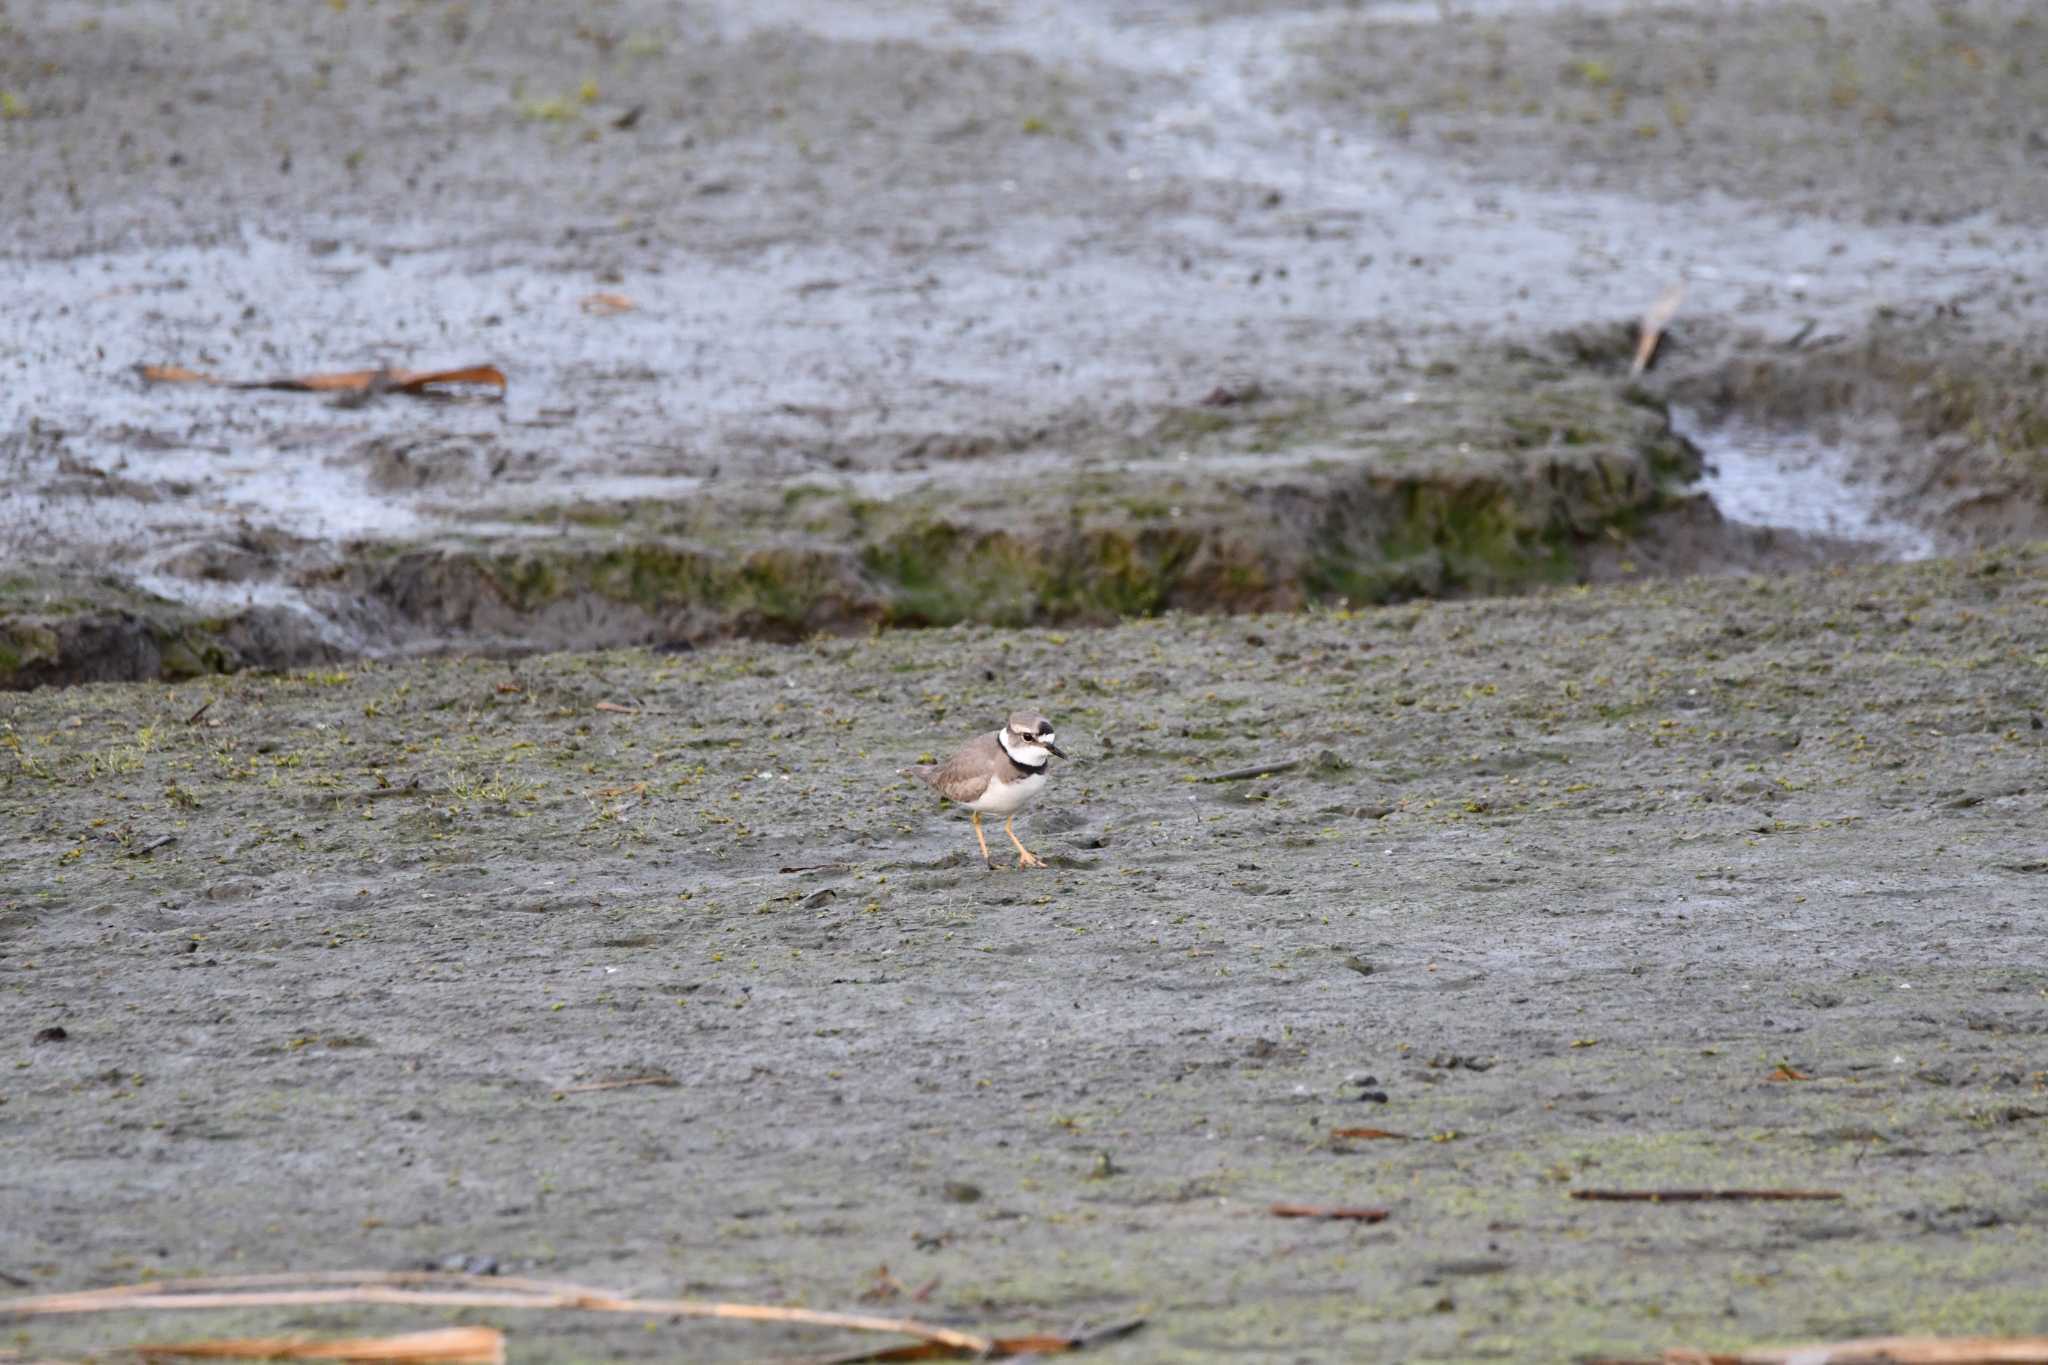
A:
[611,589]
[939,573]
[1443,539]
[1493,474]
[72,629]
[1500,472]
[25,647]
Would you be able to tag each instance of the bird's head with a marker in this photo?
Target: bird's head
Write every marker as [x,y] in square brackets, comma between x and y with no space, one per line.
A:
[1029,738]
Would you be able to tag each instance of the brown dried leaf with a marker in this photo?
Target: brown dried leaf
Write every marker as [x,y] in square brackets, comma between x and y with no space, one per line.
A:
[415,381]
[175,374]
[606,305]
[607,793]
[336,381]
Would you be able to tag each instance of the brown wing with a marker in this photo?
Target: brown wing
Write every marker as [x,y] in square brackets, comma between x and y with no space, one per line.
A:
[965,775]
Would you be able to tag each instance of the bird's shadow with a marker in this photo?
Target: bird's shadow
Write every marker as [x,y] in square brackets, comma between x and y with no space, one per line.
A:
[972,863]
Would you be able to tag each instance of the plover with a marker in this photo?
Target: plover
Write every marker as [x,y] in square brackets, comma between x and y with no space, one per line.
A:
[999,773]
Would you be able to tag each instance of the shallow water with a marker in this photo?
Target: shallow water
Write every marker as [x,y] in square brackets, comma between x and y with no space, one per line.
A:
[1788,480]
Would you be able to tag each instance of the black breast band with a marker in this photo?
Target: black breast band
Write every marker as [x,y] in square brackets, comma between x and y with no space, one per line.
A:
[1015,762]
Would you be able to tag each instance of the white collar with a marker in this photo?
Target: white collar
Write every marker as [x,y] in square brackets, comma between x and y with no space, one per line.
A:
[1044,755]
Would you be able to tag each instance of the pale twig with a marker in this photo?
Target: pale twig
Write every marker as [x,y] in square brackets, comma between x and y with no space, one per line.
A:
[662,1079]
[371,1287]
[1880,1351]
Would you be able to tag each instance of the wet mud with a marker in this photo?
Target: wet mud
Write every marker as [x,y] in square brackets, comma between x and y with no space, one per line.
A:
[1202,375]
[1909,114]
[947,297]
[1553,888]
[1933,423]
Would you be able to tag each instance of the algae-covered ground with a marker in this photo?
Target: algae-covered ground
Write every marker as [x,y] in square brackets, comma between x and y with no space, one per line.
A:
[1493,475]
[1726,883]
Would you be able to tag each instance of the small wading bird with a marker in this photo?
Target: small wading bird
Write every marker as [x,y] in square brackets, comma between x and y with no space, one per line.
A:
[1001,772]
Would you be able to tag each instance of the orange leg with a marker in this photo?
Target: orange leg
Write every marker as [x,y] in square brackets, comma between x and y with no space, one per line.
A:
[1025,857]
[978,839]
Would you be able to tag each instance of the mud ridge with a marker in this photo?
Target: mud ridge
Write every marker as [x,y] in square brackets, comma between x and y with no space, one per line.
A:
[1500,472]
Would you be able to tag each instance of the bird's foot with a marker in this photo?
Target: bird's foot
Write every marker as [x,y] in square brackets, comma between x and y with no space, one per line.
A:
[1029,859]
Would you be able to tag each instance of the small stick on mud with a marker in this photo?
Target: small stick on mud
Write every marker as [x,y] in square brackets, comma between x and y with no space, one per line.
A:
[1004,1347]
[1651,333]
[193,719]
[1255,770]
[1370,1133]
[444,1346]
[631,698]
[1076,1340]
[1879,1351]
[1699,1196]
[1355,1215]
[466,1291]
[660,1078]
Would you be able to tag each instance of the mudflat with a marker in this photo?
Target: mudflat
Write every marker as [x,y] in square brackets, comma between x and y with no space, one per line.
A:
[1172,371]
[1727,883]
[818,317]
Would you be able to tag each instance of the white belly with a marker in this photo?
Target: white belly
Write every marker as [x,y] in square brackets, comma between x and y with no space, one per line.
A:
[1002,798]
